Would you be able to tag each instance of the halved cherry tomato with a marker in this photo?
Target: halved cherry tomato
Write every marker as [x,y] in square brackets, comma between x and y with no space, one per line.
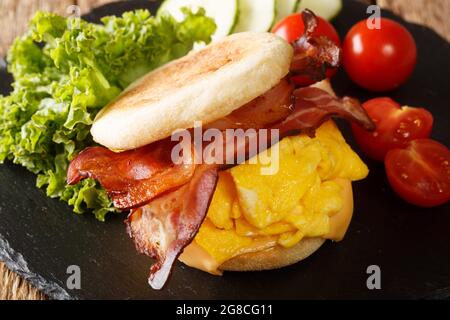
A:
[396,126]
[379,59]
[420,173]
[292,28]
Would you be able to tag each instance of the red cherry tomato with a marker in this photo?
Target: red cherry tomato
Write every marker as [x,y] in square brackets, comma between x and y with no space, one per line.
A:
[379,59]
[292,28]
[396,126]
[420,173]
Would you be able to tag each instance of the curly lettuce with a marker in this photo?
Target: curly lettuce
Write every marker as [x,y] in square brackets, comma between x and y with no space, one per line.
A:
[65,71]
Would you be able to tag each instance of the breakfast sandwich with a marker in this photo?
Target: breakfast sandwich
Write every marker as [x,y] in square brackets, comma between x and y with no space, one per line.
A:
[217,210]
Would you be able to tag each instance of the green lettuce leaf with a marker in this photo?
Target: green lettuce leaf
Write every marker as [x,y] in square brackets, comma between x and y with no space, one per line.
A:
[65,70]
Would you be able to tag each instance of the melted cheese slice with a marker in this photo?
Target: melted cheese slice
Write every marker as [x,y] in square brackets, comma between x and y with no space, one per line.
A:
[196,257]
[340,222]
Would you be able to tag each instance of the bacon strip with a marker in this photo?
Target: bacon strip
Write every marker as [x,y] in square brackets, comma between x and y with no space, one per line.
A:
[164,227]
[132,178]
[313,55]
[314,106]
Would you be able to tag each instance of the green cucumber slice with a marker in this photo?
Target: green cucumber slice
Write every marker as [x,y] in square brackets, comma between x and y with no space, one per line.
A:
[224,12]
[327,9]
[285,8]
[256,15]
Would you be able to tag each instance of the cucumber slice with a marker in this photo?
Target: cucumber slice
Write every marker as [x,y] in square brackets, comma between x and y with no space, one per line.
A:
[256,15]
[285,8]
[224,12]
[327,9]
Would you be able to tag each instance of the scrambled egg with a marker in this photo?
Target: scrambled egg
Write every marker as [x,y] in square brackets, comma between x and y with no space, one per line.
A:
[250,211]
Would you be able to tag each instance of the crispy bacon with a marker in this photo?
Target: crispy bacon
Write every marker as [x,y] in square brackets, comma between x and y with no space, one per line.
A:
[132,178]
[313,106]
[313,55]
[164,227]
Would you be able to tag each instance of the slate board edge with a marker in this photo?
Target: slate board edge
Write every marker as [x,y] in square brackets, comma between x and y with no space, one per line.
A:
[16,263]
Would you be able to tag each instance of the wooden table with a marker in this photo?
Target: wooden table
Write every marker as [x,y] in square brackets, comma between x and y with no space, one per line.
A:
[15,14]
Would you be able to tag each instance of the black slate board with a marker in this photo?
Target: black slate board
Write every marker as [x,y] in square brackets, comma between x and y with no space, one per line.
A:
[41,237]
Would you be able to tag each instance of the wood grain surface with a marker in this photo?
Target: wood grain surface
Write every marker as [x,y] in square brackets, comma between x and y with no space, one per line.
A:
[432,13]
[14,17]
